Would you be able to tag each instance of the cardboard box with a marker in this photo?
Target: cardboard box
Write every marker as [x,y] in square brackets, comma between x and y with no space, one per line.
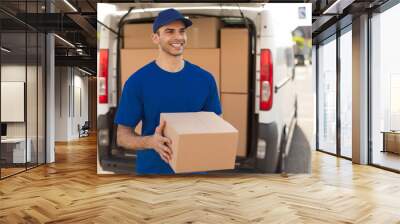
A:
[202,34]
[234,110]
[201,141]
[138,36]
[234,60]
[208,59]
[133,59]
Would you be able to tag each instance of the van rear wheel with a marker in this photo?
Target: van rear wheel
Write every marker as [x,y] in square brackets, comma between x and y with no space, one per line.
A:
[267,158]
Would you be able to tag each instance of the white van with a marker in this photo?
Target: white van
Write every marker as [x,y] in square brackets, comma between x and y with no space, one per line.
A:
[272,104]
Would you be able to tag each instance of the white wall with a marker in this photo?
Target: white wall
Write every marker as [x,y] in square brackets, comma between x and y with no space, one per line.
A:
[80,94]
[71,87]
[61,103]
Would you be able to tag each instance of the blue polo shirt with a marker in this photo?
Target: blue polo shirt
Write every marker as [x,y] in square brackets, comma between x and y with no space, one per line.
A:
[151,91]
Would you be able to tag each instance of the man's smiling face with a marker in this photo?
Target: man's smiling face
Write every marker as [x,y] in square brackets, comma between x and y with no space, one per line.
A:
[171,38]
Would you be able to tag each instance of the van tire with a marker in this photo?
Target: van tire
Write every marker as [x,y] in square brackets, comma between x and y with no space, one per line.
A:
[268,133]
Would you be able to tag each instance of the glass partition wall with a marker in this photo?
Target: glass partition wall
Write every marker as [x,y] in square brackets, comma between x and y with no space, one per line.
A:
[385,90]
[334,95]
[327,96]
[334,85]
[346,92]
[22,76]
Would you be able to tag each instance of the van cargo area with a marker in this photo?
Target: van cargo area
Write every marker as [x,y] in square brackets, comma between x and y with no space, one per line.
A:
[220,45]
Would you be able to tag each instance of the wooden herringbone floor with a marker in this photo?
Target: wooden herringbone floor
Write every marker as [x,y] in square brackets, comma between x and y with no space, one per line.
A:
[70,191]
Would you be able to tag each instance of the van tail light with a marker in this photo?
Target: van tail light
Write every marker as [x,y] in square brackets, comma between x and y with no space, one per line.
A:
[103,76]
[266,80]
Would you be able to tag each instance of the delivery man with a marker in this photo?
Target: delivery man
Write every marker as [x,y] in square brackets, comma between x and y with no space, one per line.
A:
[168,84]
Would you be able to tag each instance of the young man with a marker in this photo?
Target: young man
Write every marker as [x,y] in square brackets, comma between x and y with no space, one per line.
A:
[168,84]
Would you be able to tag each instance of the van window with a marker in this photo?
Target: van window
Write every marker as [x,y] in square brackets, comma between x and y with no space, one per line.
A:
[289,57]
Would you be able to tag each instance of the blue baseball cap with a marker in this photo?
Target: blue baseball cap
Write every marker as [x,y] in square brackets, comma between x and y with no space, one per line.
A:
[168,16]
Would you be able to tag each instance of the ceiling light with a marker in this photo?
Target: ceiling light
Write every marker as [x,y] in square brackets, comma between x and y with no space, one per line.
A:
[338,6]
[65,41]
[5,49]
[70,5]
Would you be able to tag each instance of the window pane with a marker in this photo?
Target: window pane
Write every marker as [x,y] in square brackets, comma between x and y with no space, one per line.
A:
[346,94]
[385,85]
[327,97]
[41,98]
[31,96]
[14,153]
[23,87]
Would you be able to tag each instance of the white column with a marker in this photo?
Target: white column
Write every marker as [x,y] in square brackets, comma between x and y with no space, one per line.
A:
[50,110]
[50,92]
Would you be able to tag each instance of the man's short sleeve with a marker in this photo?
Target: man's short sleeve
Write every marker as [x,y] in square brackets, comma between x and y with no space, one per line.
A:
[130,107]
[213,104]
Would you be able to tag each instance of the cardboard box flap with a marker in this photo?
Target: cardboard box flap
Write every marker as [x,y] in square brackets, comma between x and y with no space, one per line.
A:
[197,123]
